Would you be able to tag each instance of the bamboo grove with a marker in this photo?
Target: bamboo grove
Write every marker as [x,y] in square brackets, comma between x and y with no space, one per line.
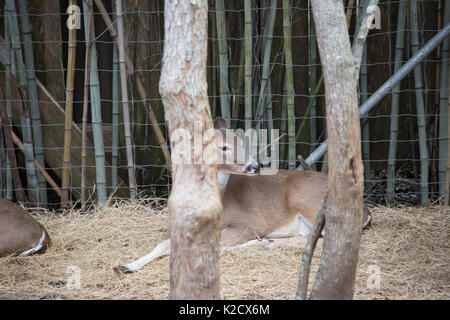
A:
[82,119]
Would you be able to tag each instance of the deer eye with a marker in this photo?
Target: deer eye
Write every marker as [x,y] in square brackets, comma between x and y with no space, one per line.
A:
[224,148]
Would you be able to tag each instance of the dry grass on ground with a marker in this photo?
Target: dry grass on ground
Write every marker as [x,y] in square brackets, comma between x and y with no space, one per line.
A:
[410,246]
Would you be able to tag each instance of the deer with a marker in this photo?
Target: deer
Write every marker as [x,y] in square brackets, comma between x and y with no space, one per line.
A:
[256,207]
[20,233]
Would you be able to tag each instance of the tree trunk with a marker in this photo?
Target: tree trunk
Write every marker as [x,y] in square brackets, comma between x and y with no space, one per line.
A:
[194,203]
[336,276]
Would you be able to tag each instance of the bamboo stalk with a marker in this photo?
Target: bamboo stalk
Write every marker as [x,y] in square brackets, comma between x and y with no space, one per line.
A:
[7,130]
[32,185]
[289,83]
[312,101]
[96,115]
[399,45]
[70,79]
[9,181]
[87,67]
[237,87]
[421,120]
[2,164]
[312,81]
[140,86]
[223,61]
[40,168]
[283,124]
[268,35]
[214,59]
[125,110]
[365,122]
[9,176]
[248,64]
[443,109]
[33,96]
[115,113]
[447,187]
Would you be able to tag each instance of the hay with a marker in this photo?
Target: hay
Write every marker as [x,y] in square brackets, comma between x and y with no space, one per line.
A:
[410,246]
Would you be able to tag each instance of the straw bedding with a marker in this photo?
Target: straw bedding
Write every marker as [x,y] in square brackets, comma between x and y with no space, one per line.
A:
[409,246]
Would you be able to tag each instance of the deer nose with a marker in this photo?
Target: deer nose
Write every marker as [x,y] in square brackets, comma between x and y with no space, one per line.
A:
[255,167]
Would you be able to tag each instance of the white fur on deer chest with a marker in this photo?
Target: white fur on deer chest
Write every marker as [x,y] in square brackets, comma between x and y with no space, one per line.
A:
[298,227]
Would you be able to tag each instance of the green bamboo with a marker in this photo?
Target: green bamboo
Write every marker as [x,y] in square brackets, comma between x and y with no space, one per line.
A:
[84,120]
[267,49]
[7,132]
[9,180]
[312,81]
[125,110]
[115,113]
[248,64]
[324,168]
[421,120]
[443,109]
[365,127]
[399,45]
[96,114]
[33,96]
[237,87]
[32,185]
[214,59]
[2,164]
[309,107]
[283,126]
[223,60]
[289,83]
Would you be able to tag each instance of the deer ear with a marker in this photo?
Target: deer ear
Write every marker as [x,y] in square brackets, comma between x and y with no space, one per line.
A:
[220,123]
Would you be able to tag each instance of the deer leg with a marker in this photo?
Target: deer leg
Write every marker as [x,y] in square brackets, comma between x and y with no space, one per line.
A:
[161,250]
[232,238]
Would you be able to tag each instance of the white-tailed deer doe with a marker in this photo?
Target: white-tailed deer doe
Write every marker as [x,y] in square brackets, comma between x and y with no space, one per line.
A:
[20,233]
[256,206]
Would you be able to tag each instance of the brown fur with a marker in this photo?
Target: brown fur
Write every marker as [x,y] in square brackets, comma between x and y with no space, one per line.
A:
[19,231]
[254,206]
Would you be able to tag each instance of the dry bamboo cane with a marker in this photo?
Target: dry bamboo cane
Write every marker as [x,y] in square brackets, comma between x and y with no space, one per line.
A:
[70,78]
[87,67]
[38,165]
[139,82]
[126,114]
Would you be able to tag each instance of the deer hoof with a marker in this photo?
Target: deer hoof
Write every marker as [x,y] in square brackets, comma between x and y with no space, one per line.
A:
[122,269]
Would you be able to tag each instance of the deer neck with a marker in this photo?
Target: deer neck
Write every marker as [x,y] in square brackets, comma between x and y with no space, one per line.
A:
[222,181]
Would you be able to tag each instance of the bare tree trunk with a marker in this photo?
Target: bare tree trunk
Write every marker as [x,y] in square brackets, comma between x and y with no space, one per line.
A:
[194,203]
[336,276]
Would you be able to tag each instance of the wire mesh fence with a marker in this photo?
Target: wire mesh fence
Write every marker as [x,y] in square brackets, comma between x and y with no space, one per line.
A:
[405,135]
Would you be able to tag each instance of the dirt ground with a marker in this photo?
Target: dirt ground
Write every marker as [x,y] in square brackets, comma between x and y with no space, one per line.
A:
[408,248]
